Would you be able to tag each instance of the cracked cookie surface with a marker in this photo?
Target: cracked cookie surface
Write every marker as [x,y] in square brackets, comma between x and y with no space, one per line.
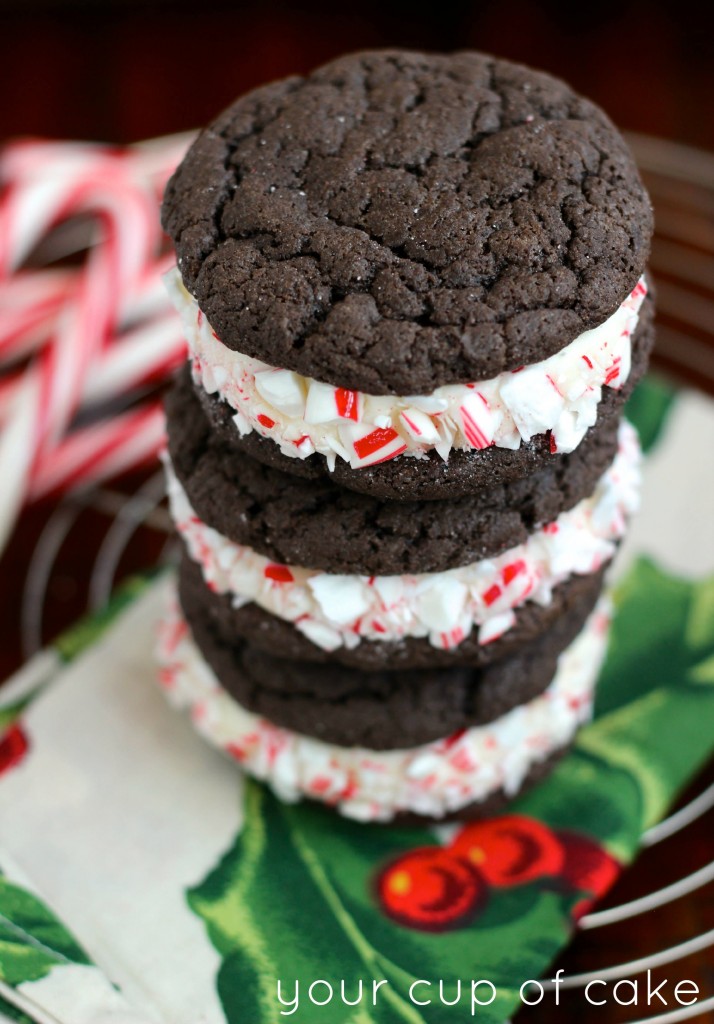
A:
[398,221]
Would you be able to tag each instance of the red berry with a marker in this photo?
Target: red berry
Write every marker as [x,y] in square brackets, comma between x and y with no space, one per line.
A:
[430,890]
[588,868]
[510,850]
[13,747]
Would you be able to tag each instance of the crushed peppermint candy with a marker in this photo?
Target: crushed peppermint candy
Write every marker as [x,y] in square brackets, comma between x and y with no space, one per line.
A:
[302,416]
[343,610]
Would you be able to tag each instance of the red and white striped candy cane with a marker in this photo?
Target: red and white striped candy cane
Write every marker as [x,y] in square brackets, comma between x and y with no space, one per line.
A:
[91,332]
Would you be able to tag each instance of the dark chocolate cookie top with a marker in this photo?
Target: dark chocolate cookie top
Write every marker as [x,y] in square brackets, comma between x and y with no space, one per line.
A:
[397,221]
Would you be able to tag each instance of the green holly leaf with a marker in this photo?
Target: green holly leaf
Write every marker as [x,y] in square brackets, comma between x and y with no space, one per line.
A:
[272,883]
[10,713]
[654,708]
[655,700]
[32,939]
[589,795]
[12,1013]
[663,629]
[699,628]
[647,409]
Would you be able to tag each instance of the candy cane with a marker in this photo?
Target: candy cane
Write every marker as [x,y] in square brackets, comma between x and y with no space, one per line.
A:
[16,453]
[76,336]
[101,451]
[30,303]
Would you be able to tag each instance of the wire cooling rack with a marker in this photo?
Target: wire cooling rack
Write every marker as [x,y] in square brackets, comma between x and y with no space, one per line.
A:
[681,182]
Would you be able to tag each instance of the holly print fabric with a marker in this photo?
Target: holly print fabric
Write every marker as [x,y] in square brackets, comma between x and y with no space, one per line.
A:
[438,888]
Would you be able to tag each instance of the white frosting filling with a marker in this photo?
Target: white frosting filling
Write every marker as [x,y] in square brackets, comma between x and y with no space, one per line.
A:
[303,416]
[433,779]
[343,610]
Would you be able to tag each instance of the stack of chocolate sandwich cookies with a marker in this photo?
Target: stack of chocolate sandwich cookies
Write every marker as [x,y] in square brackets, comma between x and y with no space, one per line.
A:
[413,292]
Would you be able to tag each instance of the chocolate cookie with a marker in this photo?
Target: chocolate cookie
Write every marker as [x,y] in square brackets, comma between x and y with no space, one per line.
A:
[469,473]
[320,525]
[398,221]
[266,632]
[380,710]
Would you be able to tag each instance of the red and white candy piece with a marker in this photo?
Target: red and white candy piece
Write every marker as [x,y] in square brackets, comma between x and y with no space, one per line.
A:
[369,446]
[325,404]
[477,421]
[419,425]
[441,602]
[91,332]
[280,388]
